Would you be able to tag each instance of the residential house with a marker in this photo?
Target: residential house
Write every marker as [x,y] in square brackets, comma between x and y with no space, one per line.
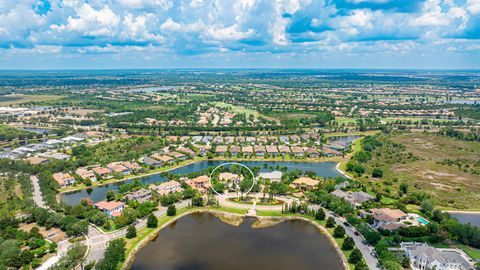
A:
[221,149]
[240,139]
[247,150]
[111,209]
[142,195]
[305,183]
[259,150]
[36,160]
[64,179]
[102,172]
[388,219]
[424,257]
[295,138]
[312,152]
[117,167]
[229,139]
[234,150]
[231,178]
[272,150]
[274,176]
[297,151]
[85,174]
[164,159]
[186,151]
[201,183]
[329,152]
[356,198]
[177,155]
[284,150]
[284,139]
[133,166]
[203,149]
[167,187]
[151,162]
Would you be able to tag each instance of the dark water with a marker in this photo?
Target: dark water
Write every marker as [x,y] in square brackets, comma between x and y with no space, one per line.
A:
[202,241]
[465,218]
[323,169]
[347,139]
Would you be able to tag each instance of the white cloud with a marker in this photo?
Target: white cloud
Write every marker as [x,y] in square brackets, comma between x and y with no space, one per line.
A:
[230,33]
[91,22]
[473,6]
[143,4]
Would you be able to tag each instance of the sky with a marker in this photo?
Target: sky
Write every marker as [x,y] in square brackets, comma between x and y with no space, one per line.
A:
[123,34]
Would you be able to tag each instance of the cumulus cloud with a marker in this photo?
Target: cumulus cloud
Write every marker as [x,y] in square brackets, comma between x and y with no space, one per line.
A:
[196,27]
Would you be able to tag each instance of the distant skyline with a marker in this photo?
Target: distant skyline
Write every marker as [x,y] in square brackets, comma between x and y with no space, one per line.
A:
[151,34]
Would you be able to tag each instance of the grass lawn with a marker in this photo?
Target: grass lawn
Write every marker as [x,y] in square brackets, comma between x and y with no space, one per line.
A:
[472,252]
[388,201]
[144,232]
[8,100]
[241,109]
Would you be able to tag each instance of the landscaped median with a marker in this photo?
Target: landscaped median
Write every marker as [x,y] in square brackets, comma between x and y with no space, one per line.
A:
[145,235]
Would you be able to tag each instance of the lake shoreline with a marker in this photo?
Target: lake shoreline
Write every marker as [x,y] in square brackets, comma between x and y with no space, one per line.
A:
[272,220]
[134,177]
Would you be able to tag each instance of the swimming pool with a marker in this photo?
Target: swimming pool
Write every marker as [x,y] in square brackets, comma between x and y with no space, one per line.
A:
[422,220]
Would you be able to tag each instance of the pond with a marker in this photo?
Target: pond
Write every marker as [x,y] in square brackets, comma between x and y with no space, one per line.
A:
[467,217]
[201,241]
[322,169]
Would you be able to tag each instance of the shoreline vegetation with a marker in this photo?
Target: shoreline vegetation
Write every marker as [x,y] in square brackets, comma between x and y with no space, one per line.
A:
[340,167]
[82,186]
[231,217]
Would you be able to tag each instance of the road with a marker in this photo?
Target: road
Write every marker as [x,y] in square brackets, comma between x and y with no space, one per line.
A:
[97,240]
[37,193]
[64,245]
[366,250]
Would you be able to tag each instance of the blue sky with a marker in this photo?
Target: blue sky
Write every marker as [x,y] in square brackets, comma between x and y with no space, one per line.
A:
[108,34]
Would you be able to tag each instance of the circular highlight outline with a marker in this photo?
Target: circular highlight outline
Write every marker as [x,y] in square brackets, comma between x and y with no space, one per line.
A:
[231,163]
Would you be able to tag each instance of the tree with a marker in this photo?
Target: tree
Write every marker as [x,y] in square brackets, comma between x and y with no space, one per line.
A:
[377,173]
[355,256]
[330,222]
[197,201]
[171,210]
[110,195]
[320,214]
[361,266]
[404,188]
[348,243]
[339,231]
[114,254]
[152,221]
[427,207]
[131,231]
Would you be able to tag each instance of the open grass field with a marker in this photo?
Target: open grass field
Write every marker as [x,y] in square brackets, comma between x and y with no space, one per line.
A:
[9,100]
[241,109]
[452,184]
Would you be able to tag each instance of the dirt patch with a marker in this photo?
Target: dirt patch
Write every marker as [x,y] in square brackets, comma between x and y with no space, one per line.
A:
[265,222]
[54,234]
[230,219]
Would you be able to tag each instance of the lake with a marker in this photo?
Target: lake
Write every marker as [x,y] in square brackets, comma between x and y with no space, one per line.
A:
[465,217]
[323,169]
[201,241]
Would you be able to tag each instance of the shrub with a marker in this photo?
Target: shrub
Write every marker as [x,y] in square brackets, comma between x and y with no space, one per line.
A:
[171,210]
[320,214]
[339,232]
[355,256]
[330,222]
[348,243]
[131,231]
[152,221]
